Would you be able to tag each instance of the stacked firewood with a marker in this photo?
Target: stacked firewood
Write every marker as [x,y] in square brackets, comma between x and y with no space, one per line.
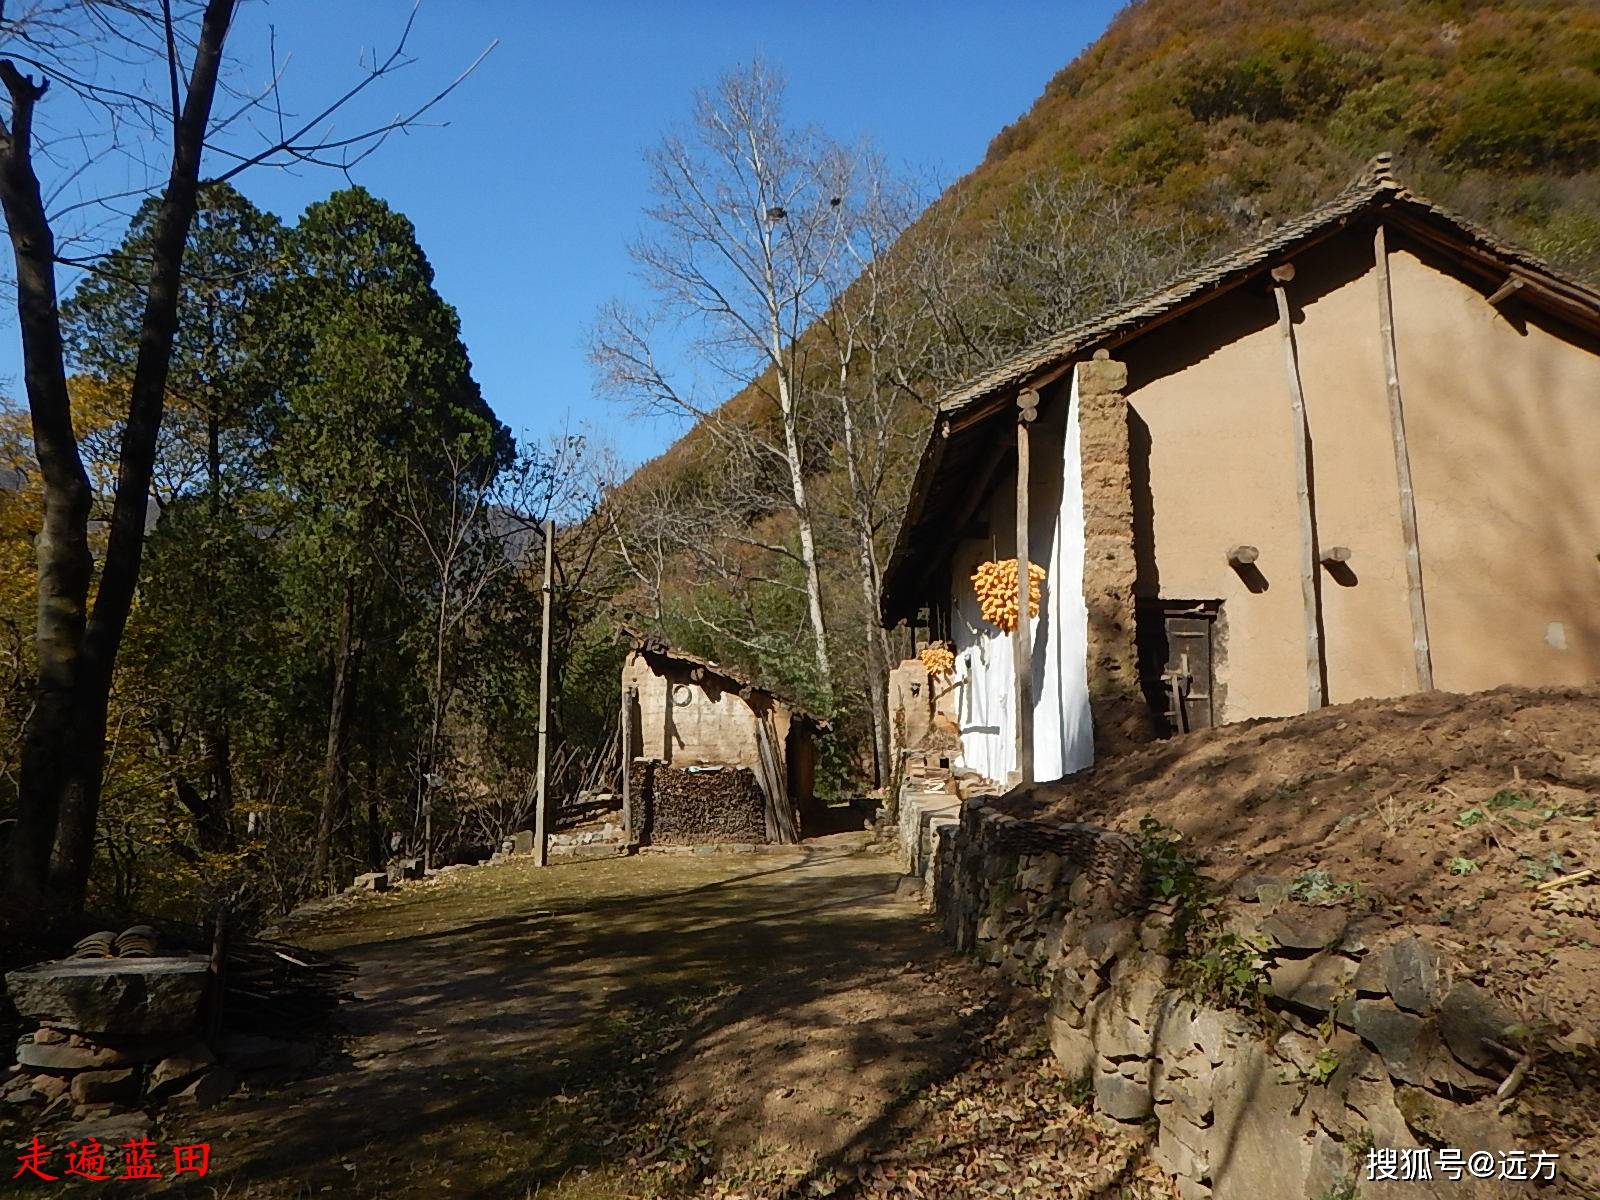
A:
[698,805]
[996,585]
[270,987]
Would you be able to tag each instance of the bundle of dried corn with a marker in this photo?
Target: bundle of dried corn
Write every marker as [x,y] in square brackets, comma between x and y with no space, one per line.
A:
[938,659]
[996,586]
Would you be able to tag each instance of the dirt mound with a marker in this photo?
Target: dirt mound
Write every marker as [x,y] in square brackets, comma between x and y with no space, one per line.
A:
[1463,813]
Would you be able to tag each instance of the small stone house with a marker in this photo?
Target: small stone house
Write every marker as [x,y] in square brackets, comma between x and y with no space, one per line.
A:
[713,757]
[1356,458]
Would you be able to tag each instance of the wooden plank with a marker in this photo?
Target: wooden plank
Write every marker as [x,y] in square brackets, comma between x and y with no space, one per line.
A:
[541,823]
[1022,636]
[1421,649]
[1308,537]
[629,695]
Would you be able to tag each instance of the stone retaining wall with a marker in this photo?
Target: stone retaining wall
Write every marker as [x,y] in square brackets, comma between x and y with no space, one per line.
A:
[1368,1035]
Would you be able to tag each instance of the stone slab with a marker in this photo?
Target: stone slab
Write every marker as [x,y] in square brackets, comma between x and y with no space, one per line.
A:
[135,997]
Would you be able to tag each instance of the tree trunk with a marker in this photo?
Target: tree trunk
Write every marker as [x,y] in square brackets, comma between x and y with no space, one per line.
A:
[63,754]
[336,760]
[877,657]
[808,544]
[54,763]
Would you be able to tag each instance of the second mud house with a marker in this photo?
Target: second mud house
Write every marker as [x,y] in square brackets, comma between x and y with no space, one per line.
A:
[1354,459]
[711,756]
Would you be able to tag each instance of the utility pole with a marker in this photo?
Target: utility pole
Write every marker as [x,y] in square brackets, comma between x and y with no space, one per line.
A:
[541,835]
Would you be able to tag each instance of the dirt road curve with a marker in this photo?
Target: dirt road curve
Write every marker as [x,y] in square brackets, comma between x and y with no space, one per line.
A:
[508,1018]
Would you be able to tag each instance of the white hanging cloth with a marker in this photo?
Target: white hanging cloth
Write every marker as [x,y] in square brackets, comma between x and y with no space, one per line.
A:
[1063,730]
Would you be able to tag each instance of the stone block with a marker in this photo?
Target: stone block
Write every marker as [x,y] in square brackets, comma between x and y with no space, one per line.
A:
[63,1057]
[45,1036]
[1371,976]
[1403,1039]
[1260,1136]
[105,1087]
[110,1129]
[208,1089]
[1176,1157]
[1188,1097]
[1106,940]
[172,1073]
[1305,929]
[1121,1098]
[128,997]
[1470,1018]
[1313,985]
[1328,1169]
[522,839]
[1216,1032]
[1361,1085]
[372,881]
[1072,1046]
[1412,974]
[1038,873]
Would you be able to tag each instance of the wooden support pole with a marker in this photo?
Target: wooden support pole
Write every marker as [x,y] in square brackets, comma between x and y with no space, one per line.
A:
[1022,636]
[1420,647]
[541,822]
[1301,436]
[629,695]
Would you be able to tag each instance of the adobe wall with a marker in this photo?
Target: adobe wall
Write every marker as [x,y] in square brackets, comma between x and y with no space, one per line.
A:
[1210,395]
[1503,418]
[915,700]
[1121,716]
[1368,1035]
[680,722]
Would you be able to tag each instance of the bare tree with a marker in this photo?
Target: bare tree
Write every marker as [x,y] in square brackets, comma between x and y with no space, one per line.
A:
[154,65]
[747,228]
[878,345]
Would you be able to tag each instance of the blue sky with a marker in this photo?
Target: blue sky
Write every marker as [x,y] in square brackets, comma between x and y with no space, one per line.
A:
[525,199]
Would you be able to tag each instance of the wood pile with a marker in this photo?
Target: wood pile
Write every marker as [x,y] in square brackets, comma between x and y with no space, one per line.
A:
[699,805]
[271,987]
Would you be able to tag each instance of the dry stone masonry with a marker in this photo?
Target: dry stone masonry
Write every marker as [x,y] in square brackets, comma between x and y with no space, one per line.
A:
[1366,1035]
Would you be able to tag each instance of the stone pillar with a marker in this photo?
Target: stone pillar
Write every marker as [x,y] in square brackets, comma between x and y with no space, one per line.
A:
[1121,715]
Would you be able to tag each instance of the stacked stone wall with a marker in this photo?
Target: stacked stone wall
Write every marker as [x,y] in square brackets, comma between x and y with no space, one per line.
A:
[1366,1035]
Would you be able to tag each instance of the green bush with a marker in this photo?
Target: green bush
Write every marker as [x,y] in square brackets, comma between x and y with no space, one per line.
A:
[1539,119]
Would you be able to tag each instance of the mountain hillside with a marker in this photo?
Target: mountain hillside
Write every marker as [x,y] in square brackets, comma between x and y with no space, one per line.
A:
[1188,127]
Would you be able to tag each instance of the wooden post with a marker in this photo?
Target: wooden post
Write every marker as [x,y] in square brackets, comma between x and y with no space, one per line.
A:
[1308,533]
[628,696]
[1402,469]
[541,823]
[1022,637]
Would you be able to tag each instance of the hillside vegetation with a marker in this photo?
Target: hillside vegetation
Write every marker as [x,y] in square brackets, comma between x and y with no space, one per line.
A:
[1189,126]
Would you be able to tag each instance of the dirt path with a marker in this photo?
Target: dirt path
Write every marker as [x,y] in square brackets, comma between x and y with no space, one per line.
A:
[511,1023]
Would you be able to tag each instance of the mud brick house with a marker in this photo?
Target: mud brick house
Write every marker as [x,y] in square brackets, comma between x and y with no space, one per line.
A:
[712,756]
[1357,458]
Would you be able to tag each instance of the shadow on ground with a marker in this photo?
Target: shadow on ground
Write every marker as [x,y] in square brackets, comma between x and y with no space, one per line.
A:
[521,1032]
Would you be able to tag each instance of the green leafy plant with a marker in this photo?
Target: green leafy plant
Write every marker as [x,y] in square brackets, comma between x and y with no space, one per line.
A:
[1506,798]
[1323,1066]
[1537,870]
[1471,816]
[1319,887]
[1211,962]
[1461,865]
